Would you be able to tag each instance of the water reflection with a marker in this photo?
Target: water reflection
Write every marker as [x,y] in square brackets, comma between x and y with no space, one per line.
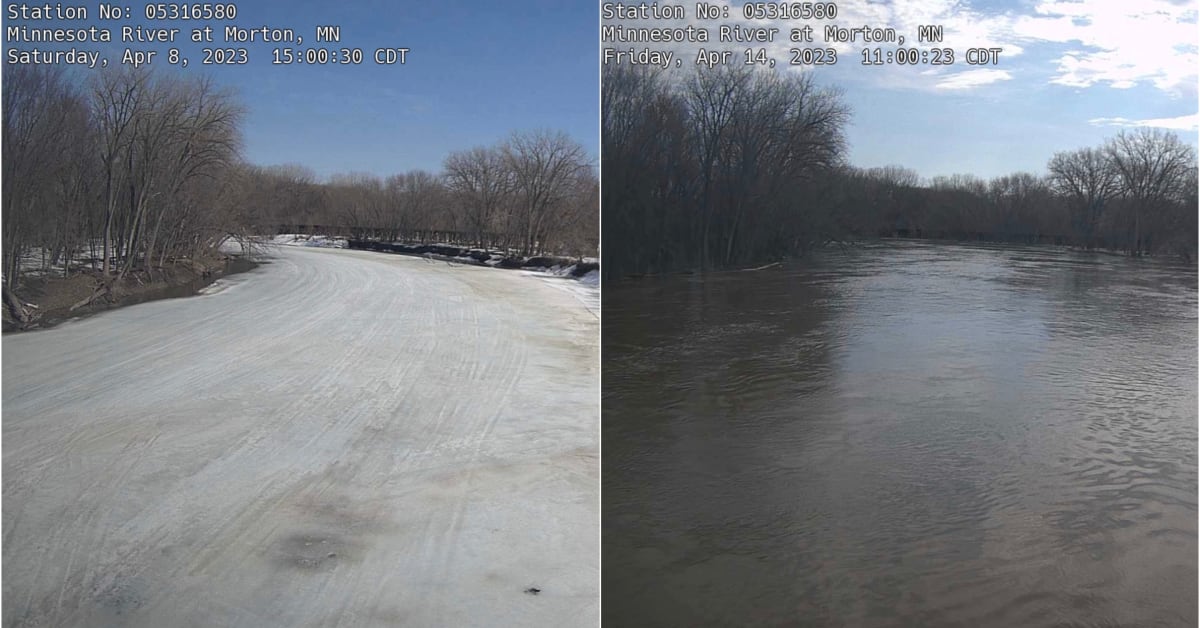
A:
[903,435]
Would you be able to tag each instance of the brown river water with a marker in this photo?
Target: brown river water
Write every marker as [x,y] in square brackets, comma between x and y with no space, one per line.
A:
[903,434]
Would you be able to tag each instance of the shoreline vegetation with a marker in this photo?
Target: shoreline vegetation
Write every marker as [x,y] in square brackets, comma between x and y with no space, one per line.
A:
[46,301]
[572,266]
[127,181]
[739,167]
[116,186]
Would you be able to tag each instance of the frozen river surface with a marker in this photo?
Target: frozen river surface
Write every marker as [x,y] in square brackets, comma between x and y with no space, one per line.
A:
[337,438]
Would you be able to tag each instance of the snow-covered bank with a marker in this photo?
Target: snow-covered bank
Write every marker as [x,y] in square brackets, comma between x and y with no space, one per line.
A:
[296,239]
[584,274]
[585,290]
[576,268]
[337,437]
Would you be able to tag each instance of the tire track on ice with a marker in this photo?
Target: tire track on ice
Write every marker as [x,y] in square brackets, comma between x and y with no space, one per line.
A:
[409,453]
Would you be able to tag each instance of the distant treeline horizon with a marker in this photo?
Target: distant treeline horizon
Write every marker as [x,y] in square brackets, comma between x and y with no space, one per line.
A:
[740,166]
[141,170]
[535,192]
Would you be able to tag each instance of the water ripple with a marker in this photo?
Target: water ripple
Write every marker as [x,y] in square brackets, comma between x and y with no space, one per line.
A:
[904,435]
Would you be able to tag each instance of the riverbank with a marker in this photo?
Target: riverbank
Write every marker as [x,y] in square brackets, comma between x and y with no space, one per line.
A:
[1167,259]
[47,301]
[583,274]
[578,268]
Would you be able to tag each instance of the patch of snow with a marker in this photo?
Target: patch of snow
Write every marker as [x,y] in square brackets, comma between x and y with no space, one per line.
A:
[213,288]
[585,289]
[299,239]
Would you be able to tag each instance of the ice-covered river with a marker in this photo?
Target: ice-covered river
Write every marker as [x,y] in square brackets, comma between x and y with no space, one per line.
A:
[335,438]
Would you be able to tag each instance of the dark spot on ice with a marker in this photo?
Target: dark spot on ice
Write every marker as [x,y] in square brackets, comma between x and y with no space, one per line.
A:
[120,596]
[533,590]
[309,552]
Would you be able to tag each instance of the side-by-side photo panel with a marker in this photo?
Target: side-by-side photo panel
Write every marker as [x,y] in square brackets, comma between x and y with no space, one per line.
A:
[301,314]
[900,314]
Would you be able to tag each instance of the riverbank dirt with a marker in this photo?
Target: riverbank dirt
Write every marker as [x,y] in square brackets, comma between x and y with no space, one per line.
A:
[49,301]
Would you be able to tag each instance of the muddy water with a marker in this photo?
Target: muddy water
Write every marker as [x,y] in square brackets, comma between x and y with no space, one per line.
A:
[903,434]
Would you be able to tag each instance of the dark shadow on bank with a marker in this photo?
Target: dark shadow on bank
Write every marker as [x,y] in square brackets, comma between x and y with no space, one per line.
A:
[56,299]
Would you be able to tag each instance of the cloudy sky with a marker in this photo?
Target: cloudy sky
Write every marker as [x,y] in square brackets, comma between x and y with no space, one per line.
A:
[1071,74]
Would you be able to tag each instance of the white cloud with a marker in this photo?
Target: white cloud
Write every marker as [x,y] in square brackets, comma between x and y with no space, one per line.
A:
[1123,43]
[1182,123]
[973,78]
[1109,43]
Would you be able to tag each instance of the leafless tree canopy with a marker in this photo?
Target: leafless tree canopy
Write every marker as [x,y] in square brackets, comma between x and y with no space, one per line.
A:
[1136,194]
[128,170]
[715,170]
[534,193]
[125,169]
[1154,170]
[736,167]
[1086,181]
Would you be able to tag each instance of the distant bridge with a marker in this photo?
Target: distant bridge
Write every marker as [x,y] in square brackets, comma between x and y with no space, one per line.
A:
[388,235]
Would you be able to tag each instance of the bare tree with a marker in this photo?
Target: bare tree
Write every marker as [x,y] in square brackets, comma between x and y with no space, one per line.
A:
[1087,178]
[482,184]
[413,197]
[1152,166]
[360,203]
[117,99]
[711,99]
[544,167]
[44,120]
[720,168]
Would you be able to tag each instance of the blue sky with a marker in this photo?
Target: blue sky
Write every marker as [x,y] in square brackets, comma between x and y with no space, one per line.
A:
[477,71]
[1072,73]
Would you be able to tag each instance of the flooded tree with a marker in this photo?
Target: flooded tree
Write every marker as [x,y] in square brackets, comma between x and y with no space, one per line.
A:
[1019,202]
[717,168]
[1152,167]
[1087,180]
[738,166]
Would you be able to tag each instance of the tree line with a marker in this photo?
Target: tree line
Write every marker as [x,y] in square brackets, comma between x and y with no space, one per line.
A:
[1136,194]
[536,192]
[123,170]
[723,168]
[741,166]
